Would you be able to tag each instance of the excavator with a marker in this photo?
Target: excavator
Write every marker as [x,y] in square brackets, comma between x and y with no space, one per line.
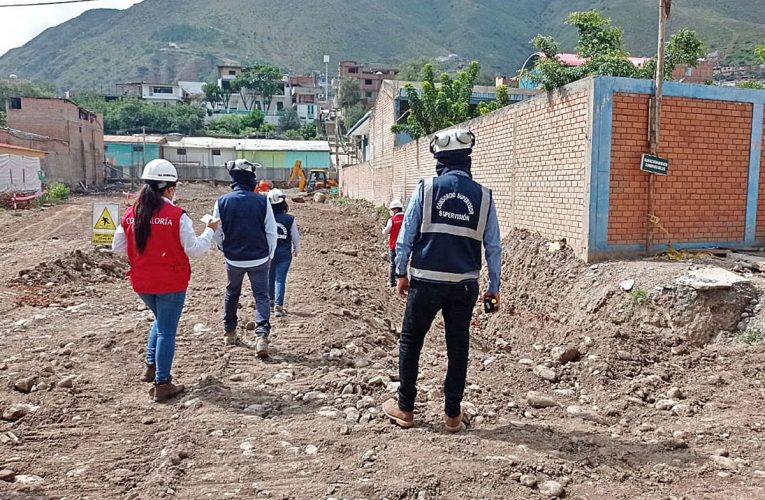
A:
[315,180]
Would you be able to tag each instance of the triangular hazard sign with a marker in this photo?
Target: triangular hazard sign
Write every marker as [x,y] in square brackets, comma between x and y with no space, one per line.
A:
[105,221]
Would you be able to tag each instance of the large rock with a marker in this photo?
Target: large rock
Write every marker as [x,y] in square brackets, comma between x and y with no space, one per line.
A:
[711,278]
[19,411]
[545,373]
[320,198]
[551,489]
[565,355]
[584,414]
[24,384]
[539,400]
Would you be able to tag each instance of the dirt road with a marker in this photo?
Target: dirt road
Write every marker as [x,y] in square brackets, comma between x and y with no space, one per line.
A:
[306,422]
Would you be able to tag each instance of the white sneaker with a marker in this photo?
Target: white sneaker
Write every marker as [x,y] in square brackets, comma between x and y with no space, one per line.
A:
[230,338]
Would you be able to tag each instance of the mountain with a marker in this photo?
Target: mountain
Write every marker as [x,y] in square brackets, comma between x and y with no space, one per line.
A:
[169,40]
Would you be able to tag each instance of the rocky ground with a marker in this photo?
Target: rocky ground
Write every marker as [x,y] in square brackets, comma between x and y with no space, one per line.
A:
[610,381]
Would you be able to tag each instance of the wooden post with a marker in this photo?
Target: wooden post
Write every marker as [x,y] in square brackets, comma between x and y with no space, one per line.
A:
[655,121]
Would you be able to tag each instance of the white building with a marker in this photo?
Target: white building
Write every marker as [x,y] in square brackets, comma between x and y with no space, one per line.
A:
[154,92]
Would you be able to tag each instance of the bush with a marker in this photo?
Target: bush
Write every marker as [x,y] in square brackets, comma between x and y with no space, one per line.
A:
[752,335]
[59,192]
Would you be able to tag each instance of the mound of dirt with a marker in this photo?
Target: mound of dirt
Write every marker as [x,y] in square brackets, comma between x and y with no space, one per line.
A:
[75,267]
[560,297]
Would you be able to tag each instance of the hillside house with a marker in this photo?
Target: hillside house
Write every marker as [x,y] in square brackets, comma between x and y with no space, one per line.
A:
[72,138]
[370,80]
[152,92]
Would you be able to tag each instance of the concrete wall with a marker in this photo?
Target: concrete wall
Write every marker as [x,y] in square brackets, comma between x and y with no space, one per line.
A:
[535,186]
[567,165]
[73,139]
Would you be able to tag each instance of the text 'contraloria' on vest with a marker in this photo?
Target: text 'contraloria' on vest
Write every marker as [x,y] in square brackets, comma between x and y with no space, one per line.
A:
[242,216]
[163,267]
[454,213]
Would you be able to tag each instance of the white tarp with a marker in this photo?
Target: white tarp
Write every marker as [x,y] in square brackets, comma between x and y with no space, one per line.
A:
[19,173]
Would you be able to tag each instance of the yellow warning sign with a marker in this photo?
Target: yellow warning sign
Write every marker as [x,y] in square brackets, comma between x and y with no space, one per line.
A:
[106,216]
[103,238]
[105,221]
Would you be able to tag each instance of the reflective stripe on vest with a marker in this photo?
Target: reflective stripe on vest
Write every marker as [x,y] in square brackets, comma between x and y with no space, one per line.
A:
[427,214]
[424,274]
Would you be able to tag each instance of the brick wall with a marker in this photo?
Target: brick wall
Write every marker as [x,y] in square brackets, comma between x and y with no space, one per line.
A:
[704,197]
[81,160]
[760,232]
[535,187]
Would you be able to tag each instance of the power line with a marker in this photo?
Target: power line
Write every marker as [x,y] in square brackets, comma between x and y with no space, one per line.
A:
[35,4]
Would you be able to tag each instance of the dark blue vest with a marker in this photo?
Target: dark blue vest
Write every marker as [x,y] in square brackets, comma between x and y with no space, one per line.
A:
[243,215]
[455,209]
[284,222]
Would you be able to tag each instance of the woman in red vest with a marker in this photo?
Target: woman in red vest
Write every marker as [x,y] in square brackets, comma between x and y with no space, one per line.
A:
[158,238]
[392,228]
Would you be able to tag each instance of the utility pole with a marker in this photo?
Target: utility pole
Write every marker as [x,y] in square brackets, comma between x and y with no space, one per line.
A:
[665,7]
[326,79]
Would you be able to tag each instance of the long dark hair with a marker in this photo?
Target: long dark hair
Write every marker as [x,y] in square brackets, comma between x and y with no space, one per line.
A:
[149,202]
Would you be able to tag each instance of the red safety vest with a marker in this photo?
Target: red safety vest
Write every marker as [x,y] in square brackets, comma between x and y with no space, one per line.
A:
[163,267]
[396,222]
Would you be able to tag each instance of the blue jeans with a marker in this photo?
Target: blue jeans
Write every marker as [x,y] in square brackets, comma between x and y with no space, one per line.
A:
[258,276]
[278,279]
[160,349]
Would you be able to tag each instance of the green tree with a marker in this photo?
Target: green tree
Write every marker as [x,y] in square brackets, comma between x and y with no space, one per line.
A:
[288,119]
[502,100]
[353,114]
[760,51]
[349,93]
[436,107]
[601,46]
[309,131]
[412,70]
[212,94]
[253,120]
[292,135]
[259,82]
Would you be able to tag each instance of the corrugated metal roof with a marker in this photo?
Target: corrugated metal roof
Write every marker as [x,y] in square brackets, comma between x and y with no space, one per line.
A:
[279,145]
[134,139]
[248,144]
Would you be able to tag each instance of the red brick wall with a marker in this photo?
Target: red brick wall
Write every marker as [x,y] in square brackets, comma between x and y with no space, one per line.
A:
[704,197]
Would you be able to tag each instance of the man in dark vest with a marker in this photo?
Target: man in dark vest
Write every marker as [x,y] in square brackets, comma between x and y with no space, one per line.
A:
[448,219]
[247,236]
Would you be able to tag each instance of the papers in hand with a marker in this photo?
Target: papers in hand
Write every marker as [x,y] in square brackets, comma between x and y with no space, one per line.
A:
[208,218]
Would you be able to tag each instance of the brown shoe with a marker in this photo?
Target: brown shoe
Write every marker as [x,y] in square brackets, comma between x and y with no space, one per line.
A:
[261,347]
[148,373]
[455,424]
[404,419]
[163,392]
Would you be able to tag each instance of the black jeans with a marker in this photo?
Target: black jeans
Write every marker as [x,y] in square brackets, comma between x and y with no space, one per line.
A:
[392,268]
[456,303]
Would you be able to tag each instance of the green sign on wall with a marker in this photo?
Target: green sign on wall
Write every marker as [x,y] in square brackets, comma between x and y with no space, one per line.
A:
[654,165]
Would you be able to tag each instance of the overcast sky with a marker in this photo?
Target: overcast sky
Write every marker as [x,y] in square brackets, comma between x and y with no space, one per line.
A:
[18,25]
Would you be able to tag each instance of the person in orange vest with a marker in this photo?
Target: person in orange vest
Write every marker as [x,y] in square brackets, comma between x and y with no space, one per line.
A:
[391,230]
[158,238]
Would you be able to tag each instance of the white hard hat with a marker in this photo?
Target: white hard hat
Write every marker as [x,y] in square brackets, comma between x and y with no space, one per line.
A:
[243,165]
[396,204]
[159,170]
[452,140]
[275,196]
